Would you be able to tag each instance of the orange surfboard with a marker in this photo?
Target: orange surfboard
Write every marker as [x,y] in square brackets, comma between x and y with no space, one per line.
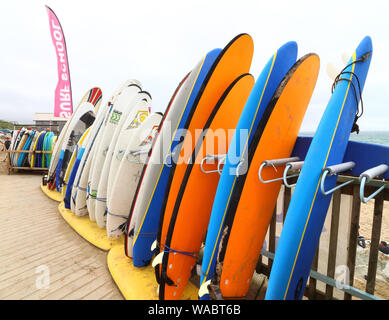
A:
[193,205]
[254,203]
[233,61]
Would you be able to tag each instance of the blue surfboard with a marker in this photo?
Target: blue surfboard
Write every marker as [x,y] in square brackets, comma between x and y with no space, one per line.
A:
[69,187]
[308,207]
[47,148]
[141,248]
[264,88]
[26,147]
[39,147]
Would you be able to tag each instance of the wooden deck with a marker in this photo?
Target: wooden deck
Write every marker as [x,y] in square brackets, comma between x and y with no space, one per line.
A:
[34,237]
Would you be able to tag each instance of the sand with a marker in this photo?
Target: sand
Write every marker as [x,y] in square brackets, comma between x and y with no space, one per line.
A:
[366,220]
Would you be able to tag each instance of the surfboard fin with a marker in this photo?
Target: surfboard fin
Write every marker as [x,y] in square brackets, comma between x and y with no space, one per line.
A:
[157,260]
[204,288]
[154,245]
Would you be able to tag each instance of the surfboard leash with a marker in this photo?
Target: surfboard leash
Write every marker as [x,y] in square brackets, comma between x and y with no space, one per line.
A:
[338,78]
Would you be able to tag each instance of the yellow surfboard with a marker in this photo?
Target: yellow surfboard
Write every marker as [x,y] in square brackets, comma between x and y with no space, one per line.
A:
[35,144]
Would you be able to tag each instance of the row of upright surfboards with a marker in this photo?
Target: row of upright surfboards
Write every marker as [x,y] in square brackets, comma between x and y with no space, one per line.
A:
[188,180]
[34,142]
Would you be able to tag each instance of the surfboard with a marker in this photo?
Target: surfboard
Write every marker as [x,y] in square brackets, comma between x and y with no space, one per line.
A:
[308,207]
[120,106]
[44,148]
[32,144]
[129,132]
[49,147]
[266,84]
[89,194]
[134,113]
[248,216]
[189,219]
[15,145]
[79,191]
[233,61]
[39,146]
[132,159]
[35,148]
[73,165]
[20,146]
[15,134]
[92,96]
[23,156]
[83,118]
[151,172]
[241,49]
[78,202]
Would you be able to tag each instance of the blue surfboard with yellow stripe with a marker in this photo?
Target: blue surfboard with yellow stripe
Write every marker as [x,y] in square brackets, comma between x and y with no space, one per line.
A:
[308,207]
[263,90]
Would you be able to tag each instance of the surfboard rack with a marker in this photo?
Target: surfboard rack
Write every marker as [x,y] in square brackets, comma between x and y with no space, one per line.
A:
[332,170]
[294,166]
[276,163]
[221,159]
[120,153]
[367,176]
[135,153]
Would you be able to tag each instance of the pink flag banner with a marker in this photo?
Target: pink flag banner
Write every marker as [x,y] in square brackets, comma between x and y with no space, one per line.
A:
[63,105]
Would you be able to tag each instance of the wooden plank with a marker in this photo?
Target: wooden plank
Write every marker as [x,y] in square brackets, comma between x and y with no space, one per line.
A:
[375,240]
[353,236]
[70,282]
[100,293]
[27,151]
[26,285]
[33,234]
[86,289]
[332,250]
[272,235]
[29,168]
[312,292]
[286,201]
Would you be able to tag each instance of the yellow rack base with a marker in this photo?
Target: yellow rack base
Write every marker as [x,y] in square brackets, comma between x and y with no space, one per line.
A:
[52,194]
[138,283]
[89,230]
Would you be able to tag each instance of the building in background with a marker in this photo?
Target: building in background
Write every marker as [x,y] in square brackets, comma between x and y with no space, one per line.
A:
[47,120]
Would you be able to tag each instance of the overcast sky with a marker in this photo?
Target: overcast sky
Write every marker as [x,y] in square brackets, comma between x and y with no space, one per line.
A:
[158,42]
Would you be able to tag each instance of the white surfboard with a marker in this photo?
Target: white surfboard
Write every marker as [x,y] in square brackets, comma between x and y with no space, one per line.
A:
[112,121]
[155,163]
[126,135]
[136,111]
[80,190]
[128,173]
[61,136]
[82,119]
[96,127]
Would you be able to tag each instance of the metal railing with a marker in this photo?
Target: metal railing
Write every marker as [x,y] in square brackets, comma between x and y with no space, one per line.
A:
[331,245]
